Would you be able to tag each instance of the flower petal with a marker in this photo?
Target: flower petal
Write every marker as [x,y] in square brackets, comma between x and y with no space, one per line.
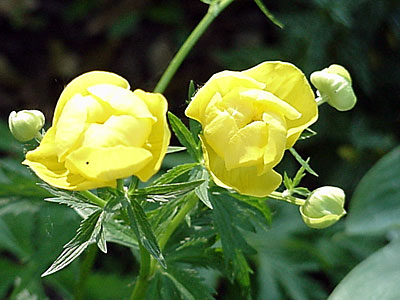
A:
[247,146]
[80,84]
[106,164]
[158,141]
[244,180]
[288,83]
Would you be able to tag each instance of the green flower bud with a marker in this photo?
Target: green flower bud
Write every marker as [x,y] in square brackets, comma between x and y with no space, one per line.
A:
[334,86]
[324,207]
[25,124]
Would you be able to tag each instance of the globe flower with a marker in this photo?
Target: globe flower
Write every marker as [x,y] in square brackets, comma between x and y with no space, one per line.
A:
[249,119]
[25,124]
[334,86]
[102,131]
[324,207]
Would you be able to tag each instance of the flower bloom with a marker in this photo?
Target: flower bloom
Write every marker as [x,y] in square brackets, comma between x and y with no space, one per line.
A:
[324,207]
[101,132]
[249,119]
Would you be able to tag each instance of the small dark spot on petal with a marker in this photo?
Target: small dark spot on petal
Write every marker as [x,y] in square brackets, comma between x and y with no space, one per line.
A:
[87,162]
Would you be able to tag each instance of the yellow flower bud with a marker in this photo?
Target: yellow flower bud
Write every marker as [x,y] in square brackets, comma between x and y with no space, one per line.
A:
[102,131]
[249,119]
[324,207]
[25,124]
[334,86]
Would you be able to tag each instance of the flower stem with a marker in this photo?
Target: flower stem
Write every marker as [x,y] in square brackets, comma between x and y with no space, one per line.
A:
[191,201]
[213,11]
[93,198]
[287,198]
[143,278]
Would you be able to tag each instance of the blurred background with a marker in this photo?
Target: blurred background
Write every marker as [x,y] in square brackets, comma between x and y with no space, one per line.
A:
[45,44]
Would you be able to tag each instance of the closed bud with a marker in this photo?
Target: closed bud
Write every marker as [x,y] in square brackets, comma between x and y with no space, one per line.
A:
[334,86]
[25,124]
[324,207]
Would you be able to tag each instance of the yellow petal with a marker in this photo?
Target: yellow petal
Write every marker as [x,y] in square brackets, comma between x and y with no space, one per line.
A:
[219,131]
[247,146]
[121,100]
[44,162]
[276,140]
[239,106]
[288,83]
[223,83]
[80,84]
[244,180]
[107,164]
[158,141]
[118,130]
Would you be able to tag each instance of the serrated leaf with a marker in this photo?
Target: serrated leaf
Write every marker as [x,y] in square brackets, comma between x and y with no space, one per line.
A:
[302,162]
[189,284]
[184,136]
[258,203]
[87,234]
[142,228]
[167,191]
[173,173]
[120,234]
[191,90]
[268,14]
[232,241]
[202,190]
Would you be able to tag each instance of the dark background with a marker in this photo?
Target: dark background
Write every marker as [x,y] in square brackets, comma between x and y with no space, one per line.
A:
[45,44]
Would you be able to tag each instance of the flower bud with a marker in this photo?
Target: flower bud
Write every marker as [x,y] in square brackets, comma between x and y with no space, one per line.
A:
[324,207]
[25,124]
[334,86]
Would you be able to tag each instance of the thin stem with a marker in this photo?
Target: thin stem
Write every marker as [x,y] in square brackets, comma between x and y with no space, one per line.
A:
[177,220]
[143,278]
[93,198]
[213,11]
[287,198]
[320,100]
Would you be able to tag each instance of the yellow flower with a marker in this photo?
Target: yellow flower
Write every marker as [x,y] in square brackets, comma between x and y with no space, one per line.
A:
[101,132]
[249,119]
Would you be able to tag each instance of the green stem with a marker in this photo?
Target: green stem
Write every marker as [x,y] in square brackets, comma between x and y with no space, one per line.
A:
[287,198]
[143,278]
[213,11]
[93,198]
[320,100]
[177,220]
[120,185]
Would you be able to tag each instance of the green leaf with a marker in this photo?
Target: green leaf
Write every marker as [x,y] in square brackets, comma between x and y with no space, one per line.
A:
[184,136]
[202,190]
[268,14]
[173,173]
[307,133]
[174,149]
[258,203]
[142,228]
[377,277]
[167,191]
[87,234]
[189,284]
[9,241]
[120,234]
[233,244]
[191,90]
[302,162]
[375,207]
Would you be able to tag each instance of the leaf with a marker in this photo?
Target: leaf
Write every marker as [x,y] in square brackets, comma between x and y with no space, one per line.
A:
[377,277]
[268,14]
[174,149]
[173,173]
[189,284]
[142,228]
[202,190]
[87,234]
[184,136]
[302,162]
[258,203]
[166,191]
[375,207]
[232,241]
[120,234]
